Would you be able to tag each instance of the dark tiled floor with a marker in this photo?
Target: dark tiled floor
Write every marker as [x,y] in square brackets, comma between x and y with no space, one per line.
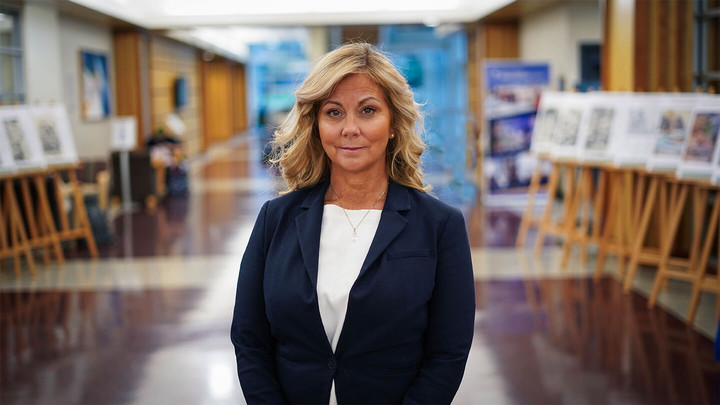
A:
[568,341]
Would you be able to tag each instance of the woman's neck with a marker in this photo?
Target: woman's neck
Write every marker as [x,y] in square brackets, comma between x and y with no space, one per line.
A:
[355,193]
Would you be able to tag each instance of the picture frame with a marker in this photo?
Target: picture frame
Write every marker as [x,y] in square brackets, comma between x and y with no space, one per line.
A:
[94,86]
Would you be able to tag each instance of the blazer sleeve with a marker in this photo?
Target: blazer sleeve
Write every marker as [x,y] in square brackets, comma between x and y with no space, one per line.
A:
[250,330]
[451,316]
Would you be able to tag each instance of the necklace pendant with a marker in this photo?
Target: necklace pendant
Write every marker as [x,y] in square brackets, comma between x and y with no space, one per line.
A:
[354,237]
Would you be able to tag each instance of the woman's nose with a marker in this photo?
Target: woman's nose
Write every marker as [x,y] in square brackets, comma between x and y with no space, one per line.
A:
[350,128]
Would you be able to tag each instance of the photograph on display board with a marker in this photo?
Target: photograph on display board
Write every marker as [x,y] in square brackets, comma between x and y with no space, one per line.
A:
[53,127]
[599,127]
[511,135]
[703,137]
[95,84]
[510,172]
[21,137]
[7,163]
[16,138]
[567,129]
[638,119]
[673,130]
[545,121]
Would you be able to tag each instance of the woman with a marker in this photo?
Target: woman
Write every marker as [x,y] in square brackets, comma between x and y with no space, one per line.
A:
[356,286]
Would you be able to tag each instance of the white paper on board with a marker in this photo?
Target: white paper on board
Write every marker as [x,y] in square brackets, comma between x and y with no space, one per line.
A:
[545,122]
[20,133]
[673,129]
[572,116]
[55,132]
[599,136]
[123,134]
[702,141]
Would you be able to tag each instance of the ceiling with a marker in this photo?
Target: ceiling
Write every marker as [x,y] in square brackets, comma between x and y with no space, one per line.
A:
[174,14]
[228,27]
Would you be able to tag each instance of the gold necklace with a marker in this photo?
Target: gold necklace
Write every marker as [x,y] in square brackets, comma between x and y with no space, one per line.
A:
[355,227]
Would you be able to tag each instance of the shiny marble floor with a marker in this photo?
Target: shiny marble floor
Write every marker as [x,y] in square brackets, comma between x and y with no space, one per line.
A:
[148,323]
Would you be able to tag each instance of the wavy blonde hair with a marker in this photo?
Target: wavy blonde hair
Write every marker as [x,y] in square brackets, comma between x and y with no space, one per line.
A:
[297,149]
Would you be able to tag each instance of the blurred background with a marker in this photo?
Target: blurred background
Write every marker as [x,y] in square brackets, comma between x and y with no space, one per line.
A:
[165,108]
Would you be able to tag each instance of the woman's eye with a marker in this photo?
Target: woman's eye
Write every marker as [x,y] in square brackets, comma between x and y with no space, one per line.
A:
[333,113]
[368,110]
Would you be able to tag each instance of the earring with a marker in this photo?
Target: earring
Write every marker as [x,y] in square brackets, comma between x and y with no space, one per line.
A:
[392,136]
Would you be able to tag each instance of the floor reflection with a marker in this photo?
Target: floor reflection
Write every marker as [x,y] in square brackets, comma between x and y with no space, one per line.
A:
[578,341]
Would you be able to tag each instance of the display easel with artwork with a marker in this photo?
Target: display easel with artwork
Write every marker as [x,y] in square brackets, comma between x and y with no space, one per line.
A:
[41,147]
[662,159]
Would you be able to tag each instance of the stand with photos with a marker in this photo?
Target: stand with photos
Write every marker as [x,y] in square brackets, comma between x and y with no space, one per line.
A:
[36,144]
[632,163]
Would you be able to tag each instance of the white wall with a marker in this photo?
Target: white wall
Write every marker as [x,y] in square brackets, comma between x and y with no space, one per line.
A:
[92,138]
[41,53]
[555,36]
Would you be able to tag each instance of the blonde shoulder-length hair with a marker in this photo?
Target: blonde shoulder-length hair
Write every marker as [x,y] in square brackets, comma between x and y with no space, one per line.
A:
[297,149]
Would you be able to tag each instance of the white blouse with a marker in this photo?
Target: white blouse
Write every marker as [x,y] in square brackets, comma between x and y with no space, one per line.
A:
[339,263]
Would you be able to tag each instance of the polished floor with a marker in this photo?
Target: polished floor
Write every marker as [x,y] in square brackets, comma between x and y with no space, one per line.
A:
[148,323]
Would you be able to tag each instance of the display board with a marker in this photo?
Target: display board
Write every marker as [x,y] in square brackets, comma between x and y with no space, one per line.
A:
[19,132]
[637,130]
[545,122]
[512,92]
[716,163]
[700,145]
[673,129]
[600,136]
[56,138]
[572,116]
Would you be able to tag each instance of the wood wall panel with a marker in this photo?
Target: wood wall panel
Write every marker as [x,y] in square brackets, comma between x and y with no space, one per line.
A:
[650,42]
[217,100]
[619,59]
[128,64]
[170,60]
[240,121]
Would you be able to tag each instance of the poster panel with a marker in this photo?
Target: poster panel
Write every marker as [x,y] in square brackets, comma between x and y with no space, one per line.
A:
[7,163]
[700,145]
[512,94]
[599,136]
[673,129]
[572,116]
[638,130]
[20,133]
[716,163]
[55,132]
[545,122]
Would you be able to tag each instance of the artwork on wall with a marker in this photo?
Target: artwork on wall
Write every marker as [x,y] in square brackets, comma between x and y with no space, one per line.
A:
[95,86]
[21,137]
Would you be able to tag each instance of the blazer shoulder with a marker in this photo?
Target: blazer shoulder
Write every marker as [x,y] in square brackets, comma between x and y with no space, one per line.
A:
[430,204]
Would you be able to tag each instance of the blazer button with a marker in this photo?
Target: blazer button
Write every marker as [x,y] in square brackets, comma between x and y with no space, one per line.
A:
[331,363]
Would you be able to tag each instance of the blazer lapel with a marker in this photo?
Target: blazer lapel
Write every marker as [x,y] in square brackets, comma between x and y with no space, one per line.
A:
[391,223]
[307,226]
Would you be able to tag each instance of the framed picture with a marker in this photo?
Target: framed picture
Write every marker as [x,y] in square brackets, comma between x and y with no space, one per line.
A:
[95,86]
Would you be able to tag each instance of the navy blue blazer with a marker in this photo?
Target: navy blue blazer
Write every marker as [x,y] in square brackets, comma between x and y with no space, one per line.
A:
[409,322]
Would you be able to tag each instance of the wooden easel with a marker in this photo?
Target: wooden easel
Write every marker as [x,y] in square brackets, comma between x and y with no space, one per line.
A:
[80,228]
[528,219]
[38,220]
[694,270]
[547,225]
[12,225]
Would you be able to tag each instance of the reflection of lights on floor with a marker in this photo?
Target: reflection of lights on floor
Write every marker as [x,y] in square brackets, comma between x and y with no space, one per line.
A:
[221,379]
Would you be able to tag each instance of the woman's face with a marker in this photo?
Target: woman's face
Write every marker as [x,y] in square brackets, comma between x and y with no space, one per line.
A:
[354,125]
